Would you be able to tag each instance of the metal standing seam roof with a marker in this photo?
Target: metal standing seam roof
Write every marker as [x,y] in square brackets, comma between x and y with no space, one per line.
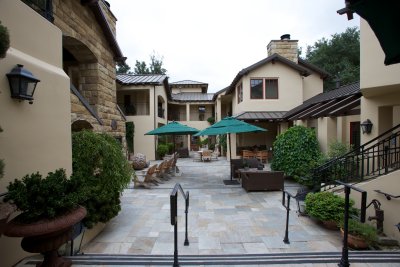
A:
[192,97]
[261,115]
[188,82]
[327,98]
[141,79]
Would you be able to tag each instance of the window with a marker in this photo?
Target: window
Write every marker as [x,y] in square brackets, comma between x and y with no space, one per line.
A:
[271,88]
[256,89]
[240,93]
[264,88]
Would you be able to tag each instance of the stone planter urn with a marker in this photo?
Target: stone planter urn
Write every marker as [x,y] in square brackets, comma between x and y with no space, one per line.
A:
[46,236]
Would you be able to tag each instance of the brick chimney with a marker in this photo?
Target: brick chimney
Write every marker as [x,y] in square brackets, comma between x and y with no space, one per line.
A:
[284,47]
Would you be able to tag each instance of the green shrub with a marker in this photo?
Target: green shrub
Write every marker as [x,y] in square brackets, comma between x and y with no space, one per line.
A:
[326,206]
[337,149]
[170,147]
[130,133]
[363,230]
[43,198]
[296,152]
[4,40]
[211,120]
[222,142]
[100,174]
[162,149]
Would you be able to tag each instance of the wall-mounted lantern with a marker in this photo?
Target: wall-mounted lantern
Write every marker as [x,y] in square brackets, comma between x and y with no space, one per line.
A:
[22,83]
[366,126]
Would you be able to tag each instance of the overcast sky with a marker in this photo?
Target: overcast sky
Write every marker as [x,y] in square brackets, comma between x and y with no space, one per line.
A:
[212,40]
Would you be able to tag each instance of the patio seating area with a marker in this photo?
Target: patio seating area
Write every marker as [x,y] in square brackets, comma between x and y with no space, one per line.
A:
[223,219]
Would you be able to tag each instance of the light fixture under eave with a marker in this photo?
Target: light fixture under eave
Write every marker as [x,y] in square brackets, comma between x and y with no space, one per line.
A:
[366,126]
[22,83]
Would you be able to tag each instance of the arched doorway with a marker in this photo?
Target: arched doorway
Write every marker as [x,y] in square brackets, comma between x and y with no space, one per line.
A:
[81,125]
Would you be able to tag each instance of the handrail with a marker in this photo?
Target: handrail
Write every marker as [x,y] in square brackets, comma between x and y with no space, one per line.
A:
[387,195]
[364,162]
[362,146]
[174,218]
[344,261]
[289,195]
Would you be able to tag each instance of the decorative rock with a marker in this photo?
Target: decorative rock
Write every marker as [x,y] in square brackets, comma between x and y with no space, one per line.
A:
[139,161]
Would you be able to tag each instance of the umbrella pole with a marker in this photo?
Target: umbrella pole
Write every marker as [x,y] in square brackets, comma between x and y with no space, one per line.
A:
[173,137]
[230,154]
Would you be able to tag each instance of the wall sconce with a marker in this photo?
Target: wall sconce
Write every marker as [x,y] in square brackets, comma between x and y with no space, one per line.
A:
[366,126]
[22,83]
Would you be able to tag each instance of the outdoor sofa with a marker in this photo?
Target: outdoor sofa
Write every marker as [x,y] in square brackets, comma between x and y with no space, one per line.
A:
[239,164]
[262,180]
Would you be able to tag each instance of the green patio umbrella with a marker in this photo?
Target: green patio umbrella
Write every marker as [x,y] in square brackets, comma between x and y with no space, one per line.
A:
[230,125]
[173,128]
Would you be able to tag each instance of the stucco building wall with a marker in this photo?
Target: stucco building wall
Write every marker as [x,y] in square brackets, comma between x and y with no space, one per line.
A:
[36,137]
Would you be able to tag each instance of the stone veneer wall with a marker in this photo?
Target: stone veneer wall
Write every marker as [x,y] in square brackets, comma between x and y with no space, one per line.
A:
[285,48]
[97,75]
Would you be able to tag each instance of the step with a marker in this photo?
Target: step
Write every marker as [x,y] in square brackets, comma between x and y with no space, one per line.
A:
[243,259]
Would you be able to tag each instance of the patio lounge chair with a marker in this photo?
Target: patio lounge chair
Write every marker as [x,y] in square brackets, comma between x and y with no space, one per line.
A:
[206,155]
[150,175]
[197,156]
[148,178]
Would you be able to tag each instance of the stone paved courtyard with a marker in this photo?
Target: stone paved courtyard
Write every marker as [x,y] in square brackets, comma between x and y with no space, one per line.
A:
[223,219]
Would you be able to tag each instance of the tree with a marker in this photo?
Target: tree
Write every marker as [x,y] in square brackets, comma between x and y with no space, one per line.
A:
[340,56]
[155,66]
[141,68]
[123,68]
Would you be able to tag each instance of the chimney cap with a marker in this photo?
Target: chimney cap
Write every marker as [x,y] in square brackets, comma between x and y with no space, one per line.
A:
[285,37]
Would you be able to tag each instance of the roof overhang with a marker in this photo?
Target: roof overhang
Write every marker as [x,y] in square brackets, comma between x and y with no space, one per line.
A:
[384,20]
[259,116]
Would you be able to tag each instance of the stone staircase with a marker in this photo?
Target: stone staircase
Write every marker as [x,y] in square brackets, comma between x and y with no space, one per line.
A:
[370,257]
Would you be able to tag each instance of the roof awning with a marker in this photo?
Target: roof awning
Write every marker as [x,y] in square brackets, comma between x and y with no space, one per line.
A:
[383,18]
[333,108]
[261,116]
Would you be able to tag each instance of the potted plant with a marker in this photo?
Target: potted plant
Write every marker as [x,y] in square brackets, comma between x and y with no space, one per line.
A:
[360,235]
[327,208]
[49,208]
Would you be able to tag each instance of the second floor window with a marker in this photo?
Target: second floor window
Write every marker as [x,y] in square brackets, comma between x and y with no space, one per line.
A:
[256,89]
[264,88]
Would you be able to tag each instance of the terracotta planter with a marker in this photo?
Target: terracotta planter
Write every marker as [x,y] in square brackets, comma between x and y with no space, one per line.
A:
[355,242]
[46,236]
[331,225]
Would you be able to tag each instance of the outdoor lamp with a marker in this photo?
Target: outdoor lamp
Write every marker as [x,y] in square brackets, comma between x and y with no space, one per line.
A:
[366,126]
[22,83]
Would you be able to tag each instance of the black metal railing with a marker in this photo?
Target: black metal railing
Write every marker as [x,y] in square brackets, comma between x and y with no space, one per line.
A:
[379,156]
[344,261]
[43,7]
[174,218]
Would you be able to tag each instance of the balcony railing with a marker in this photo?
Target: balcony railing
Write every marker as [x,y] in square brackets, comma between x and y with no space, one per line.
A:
[43,7]
[377,157]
